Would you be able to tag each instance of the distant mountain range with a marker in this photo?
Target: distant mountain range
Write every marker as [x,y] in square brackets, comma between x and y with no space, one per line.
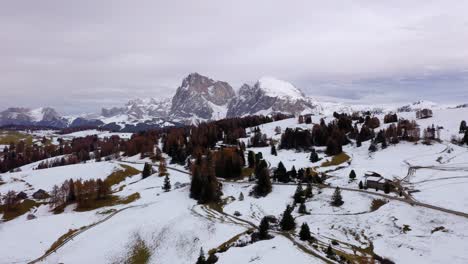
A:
[199,98]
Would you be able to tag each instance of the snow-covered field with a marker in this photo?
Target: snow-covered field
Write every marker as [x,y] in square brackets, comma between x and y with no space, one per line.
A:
[174,227]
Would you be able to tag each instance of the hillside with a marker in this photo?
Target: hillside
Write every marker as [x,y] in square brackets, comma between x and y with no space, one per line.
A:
[424,219]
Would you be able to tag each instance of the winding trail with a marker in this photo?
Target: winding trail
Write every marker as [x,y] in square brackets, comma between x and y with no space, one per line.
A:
[84,229]
[390,197]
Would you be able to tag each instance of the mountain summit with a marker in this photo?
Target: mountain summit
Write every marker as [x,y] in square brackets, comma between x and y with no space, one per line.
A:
[200,97]
[269,95]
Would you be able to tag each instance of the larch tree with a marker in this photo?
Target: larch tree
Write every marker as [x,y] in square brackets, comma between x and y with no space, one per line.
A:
[162,167]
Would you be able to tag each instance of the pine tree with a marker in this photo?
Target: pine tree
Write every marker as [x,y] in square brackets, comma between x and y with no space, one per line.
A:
[293,173]
[201,258]
[299,194]
[337,200]
[372,147]
[167,184]
[287,223]
[263,186]
[147,170]
[314,156]
[241,197]
[386,187]
[280,173]
[462,126]
[329,251]
[358,143]
[302,209]
[273,150]
[360,185]
[263,229]
[251,159]
[308,191]
[304,234]
[352,175]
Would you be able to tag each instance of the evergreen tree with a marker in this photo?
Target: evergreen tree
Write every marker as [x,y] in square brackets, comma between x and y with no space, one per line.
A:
[465,138]
[273,150]
[167,184]
[360,185]
[308,191]
[280,173]
[304,234]
[299,194]
[372,147]
[386,187]
[302,209]
[147,170]
[352,175]
[263,186]
[337,200]
[293,173]
[314,156]
[251,159]
[263,229]
[241,197]
[287,223]
[462,126]
[358,142]
[329,251]
[201,258]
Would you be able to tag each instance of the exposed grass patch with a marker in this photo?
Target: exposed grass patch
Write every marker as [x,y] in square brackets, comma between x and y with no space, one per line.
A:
[228,244]
[61,239]
[119,176]
[7,137]
[21,209]
[439,228]
[377,203]
[139,252]
[406,229]
[336,160]
[112,200]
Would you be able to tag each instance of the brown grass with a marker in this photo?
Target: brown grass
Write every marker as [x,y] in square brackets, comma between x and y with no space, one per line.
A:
[377,203]
[120,175]
[336,160]
[6,137]
[110,201]
[61,239]
[22,208]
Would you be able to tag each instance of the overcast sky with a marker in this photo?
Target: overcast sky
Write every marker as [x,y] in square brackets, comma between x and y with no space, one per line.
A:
[79,56]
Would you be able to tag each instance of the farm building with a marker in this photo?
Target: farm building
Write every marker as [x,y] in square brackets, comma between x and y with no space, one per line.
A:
[376,181]
[423,113]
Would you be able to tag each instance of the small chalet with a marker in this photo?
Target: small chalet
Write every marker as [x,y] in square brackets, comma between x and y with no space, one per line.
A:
[374,180]
[423,113]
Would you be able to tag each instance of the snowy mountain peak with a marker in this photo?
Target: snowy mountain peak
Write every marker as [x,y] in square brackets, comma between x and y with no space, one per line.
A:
[277,88]
[198,96]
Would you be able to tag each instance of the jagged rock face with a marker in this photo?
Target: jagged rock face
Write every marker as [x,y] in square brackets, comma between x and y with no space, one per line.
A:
[194,97]
[24,116]
[269,96]
[108,112]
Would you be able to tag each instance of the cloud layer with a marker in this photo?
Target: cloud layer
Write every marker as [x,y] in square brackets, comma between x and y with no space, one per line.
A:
[81,55]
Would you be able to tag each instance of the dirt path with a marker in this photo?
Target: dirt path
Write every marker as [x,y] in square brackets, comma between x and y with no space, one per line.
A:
[82,230]
[390,197]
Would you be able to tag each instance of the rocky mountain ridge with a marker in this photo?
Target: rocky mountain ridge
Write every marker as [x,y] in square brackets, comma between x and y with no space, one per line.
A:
[199,98]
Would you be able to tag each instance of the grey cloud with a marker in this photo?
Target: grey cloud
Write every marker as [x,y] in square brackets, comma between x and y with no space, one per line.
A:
[93,53]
